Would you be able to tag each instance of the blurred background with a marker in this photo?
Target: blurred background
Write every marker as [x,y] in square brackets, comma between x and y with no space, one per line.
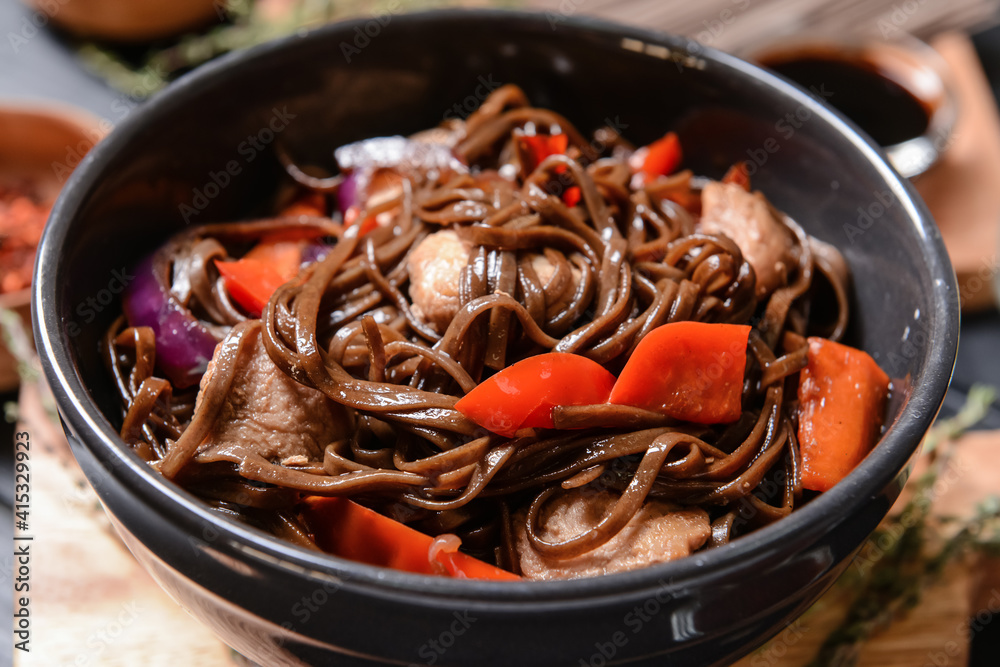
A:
[70,70]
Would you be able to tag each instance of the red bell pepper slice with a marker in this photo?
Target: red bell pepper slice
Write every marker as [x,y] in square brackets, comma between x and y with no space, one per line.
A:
[283,254]
[250,282]
[842,395]
[739,175]
[308,203]
[346,529]
[692,371]
[660,158]
[252,279]
[523,394]
[534,148]
[352,219]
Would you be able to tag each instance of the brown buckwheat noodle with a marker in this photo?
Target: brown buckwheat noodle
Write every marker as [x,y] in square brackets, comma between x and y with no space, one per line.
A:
[624,261]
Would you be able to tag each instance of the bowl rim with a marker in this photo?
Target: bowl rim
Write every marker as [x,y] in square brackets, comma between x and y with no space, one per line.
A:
[803,526]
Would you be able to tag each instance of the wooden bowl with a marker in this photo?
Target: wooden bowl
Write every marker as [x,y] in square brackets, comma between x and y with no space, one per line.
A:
[43,143]
[134,21]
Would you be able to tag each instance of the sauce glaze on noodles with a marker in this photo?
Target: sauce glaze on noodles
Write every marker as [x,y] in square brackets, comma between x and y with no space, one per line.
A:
[626,259]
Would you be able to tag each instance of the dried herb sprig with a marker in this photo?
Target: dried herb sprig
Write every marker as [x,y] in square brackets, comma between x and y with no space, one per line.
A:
[16,335]
[915,547]
[247,22]
[17,338]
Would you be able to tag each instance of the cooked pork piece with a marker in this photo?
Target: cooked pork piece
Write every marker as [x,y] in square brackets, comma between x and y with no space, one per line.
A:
[658,532]
[748,219]
[435,267]
[270,413]
[545,269]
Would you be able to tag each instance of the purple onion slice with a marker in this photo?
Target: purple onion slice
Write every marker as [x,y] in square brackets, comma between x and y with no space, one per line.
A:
[184,346]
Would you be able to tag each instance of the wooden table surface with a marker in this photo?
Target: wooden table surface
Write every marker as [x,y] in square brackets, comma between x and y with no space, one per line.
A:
[93,605]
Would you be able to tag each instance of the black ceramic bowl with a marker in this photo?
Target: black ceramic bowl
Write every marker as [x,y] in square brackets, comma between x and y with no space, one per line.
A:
[202,151]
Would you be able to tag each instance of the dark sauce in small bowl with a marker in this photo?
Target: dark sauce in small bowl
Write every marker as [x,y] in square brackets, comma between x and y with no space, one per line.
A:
[882,107]
[894,93]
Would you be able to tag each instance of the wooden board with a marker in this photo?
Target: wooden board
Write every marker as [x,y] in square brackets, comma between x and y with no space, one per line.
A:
[933,628]
[92,604]
[937,631]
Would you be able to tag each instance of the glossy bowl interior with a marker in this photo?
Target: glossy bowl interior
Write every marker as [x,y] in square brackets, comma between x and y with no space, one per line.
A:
[203,151]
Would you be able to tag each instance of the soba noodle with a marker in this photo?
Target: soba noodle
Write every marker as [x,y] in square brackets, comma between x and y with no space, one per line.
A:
[624,260]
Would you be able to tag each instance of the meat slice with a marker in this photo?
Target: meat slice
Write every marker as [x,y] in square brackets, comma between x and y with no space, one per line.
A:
[747,218]
[545,269]
[658,532]
[435,267]
[269,413]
